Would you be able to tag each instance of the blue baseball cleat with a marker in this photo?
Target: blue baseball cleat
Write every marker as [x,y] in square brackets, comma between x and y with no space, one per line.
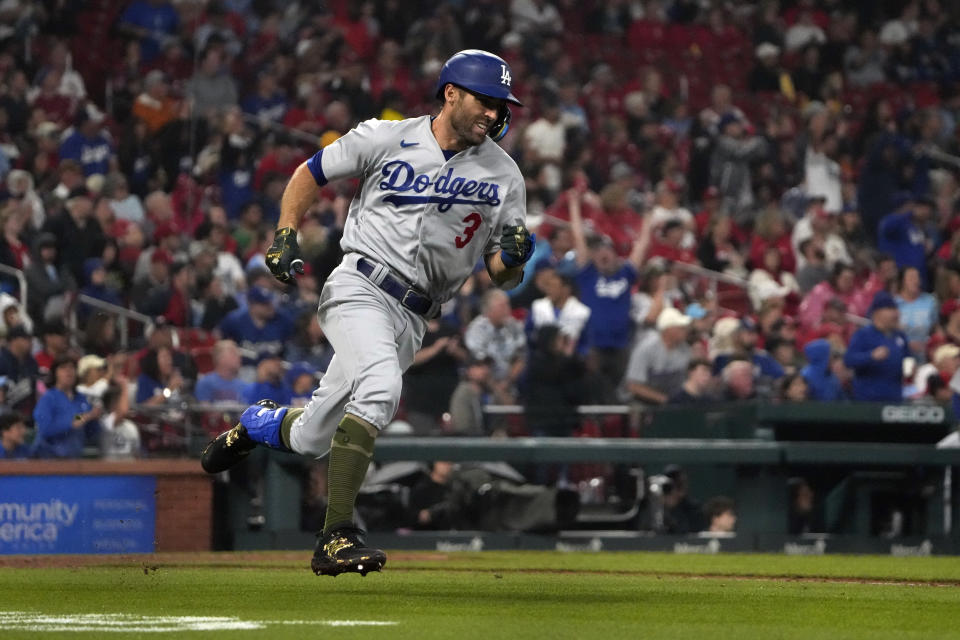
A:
[259,424]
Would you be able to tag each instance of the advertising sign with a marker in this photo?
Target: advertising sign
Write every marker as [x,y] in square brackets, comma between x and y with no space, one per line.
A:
[77,514]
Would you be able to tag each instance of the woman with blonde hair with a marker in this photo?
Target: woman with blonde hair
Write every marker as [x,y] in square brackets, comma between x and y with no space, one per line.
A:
[770,230]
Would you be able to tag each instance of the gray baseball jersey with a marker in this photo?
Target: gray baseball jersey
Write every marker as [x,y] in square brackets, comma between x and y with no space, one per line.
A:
[428,218]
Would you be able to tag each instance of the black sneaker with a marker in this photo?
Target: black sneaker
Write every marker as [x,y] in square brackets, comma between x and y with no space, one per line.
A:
[344,550]
[230,447]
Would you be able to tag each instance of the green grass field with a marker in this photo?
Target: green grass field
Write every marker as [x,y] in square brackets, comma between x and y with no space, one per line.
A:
[483,595]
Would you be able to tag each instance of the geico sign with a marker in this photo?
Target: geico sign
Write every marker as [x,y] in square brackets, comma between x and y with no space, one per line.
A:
[919,413]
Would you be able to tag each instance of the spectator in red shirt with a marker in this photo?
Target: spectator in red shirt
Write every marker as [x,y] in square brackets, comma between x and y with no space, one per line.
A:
[13,251]
[389,73]
[617,220]
[307,115]
[817,16]
[174,63]
[56,344]
[283,159]
[881,278]
[711,208]
[948,332]
[558,213]
[668,245]
[771,231]
[57,107]
[833,326]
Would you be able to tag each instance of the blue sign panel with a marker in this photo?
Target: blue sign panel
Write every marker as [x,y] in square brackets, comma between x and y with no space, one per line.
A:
[77,514]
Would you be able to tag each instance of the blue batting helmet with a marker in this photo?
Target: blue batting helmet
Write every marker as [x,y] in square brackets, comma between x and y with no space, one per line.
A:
[480,72]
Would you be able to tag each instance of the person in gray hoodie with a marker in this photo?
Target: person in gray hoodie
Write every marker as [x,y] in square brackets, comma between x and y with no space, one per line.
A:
[730,163]
[212,89]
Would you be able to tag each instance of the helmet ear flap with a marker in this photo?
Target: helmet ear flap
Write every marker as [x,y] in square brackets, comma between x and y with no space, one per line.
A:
[501,125]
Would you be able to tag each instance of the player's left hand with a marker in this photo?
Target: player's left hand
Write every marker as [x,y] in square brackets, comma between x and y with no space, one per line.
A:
[516,245]
[284,255]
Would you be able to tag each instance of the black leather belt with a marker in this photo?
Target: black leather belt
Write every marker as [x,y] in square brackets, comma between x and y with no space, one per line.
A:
[419,303]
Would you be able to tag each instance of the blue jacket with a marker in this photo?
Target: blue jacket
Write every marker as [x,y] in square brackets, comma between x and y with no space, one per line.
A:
[270,338]
[824,386]
[609,301]
[20,452]
[279,393]
[93,154]
[212,388]
[53,415]
[905,241]
[877,381]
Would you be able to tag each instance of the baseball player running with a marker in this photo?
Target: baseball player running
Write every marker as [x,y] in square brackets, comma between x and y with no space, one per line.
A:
[437,194]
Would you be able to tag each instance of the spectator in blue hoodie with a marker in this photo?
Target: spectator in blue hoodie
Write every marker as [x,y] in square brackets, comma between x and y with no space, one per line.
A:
[904,235]
[96,287]
[824,386]
[63,415]
[876,353]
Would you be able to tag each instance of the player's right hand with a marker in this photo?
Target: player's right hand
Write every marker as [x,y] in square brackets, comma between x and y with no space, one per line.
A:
[284,255]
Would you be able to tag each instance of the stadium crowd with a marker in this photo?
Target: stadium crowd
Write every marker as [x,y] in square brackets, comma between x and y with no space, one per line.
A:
[732,201]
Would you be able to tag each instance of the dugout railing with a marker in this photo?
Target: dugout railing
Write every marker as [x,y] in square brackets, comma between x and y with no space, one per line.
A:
[854,455]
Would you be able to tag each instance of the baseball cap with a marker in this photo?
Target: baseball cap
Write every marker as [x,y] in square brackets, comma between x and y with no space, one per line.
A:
[89,362]
[899,199]
[747,324]
[78,192]
[259,295]
[728,118]
[695,311]
[945,351]
[54,327]
[882,300]
[90,265]
[47,129]
[725,327]
[46,239]
[671,317]
[268,355]
[298,369]
[18,331]
[767,49]
[710,192]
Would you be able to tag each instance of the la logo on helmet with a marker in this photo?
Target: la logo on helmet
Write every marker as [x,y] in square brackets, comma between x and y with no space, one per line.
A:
[505,75]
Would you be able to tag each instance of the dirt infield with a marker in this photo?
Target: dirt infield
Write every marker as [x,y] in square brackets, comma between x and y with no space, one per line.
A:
[420,561]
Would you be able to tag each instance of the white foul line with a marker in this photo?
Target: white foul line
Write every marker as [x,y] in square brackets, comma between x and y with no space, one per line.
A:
[131,623]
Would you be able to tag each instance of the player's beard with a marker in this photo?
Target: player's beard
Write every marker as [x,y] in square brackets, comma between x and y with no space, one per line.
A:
[465,125]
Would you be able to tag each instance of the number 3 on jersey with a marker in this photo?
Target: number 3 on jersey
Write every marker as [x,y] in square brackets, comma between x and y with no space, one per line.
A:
[473,222]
